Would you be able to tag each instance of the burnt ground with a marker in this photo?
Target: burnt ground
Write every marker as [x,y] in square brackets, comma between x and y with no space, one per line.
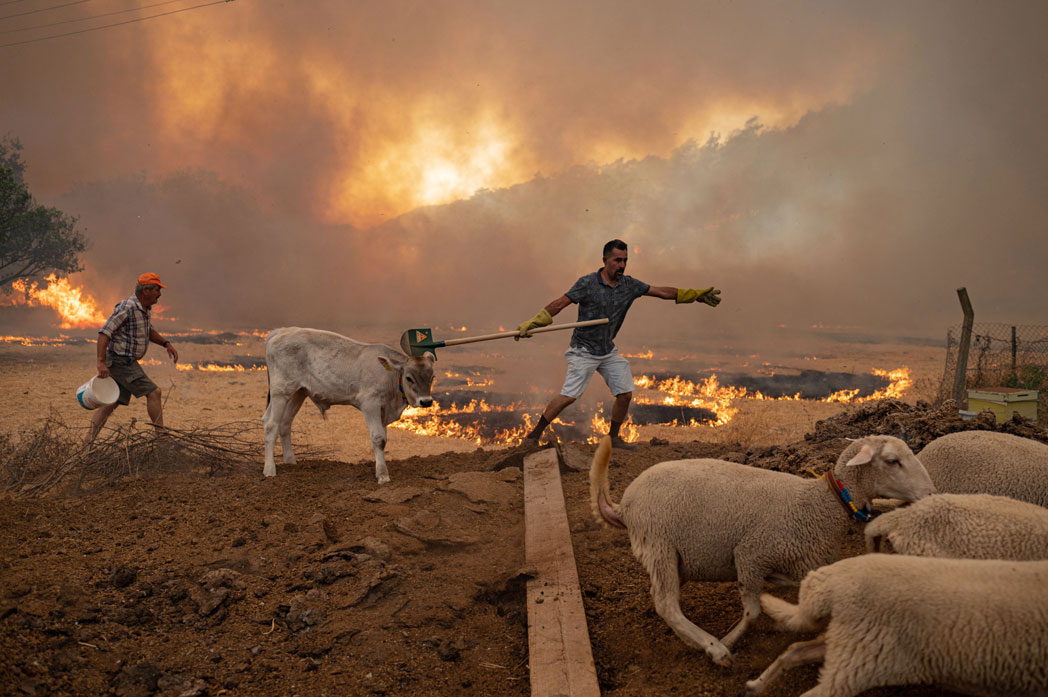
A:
[319,582]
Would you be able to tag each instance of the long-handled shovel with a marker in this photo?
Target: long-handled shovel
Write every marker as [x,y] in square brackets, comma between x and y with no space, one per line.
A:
[416,342]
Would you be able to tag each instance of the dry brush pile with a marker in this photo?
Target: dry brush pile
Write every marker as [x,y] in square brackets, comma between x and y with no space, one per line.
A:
[40,458]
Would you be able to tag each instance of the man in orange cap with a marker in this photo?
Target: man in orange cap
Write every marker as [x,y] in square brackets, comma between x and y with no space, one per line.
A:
[122,342]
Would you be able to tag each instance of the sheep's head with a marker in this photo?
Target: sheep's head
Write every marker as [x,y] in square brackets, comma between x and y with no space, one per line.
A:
[883,466]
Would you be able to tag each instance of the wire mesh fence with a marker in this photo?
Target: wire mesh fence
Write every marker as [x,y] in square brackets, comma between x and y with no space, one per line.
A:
[1000,355]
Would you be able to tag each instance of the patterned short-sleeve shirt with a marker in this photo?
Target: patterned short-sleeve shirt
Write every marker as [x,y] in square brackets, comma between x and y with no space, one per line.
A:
[596,300]
[127,329]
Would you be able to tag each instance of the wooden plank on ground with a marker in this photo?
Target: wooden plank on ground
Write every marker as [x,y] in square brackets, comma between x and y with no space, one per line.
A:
[559,654]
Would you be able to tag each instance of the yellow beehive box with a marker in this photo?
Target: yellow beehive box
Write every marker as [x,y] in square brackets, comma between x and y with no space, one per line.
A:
[1002,401]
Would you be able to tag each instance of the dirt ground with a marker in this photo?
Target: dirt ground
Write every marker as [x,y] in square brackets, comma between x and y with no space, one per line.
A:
[319,582]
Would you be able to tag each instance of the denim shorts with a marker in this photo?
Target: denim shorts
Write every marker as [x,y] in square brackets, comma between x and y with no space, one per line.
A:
[581,365]
[129,377]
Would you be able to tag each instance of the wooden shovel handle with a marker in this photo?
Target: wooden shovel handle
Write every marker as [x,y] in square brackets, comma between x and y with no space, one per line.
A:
[506,335]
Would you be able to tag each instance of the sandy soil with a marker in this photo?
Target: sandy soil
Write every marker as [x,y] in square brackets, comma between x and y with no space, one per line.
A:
[320,582]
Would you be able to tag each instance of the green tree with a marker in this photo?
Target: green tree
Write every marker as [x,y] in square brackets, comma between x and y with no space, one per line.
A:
[34,240]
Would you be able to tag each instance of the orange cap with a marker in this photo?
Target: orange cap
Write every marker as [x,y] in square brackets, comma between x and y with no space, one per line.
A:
[149,279]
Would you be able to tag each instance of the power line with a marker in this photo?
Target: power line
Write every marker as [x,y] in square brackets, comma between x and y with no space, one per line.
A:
[44,9]
[115,24]
[84,19]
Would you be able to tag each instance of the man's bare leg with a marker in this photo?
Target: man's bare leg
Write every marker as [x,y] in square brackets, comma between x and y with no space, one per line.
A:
[618,416]
[621,407]
[557,405]
[98,420]
[155,408]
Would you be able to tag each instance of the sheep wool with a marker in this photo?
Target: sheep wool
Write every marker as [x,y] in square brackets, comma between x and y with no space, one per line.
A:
[986,462]
[711,520]
[971,626]
[964,526]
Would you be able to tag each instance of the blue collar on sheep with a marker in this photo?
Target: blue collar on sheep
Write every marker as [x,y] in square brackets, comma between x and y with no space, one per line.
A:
[865,514]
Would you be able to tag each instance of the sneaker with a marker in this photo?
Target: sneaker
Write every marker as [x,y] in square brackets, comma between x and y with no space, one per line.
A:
[619,444]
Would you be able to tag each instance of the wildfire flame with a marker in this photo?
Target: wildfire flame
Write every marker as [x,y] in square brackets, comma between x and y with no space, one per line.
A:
[41,340]
[76,310]
[469,380]
[711,395]
[629,431]
[706,394]
[434,421]
[218,368]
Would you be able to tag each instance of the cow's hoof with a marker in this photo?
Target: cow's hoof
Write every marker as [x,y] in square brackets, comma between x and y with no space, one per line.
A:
[292,461]
[268,473]
[383,480]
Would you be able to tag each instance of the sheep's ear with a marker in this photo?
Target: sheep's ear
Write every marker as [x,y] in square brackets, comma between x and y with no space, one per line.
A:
[864,457]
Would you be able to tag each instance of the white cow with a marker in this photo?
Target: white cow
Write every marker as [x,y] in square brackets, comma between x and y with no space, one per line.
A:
[332,369]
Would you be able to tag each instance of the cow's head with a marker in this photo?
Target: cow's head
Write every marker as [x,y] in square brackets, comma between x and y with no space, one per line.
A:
[415,375]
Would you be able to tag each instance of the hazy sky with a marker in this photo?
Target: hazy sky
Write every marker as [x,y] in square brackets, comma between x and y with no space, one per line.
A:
[429,163]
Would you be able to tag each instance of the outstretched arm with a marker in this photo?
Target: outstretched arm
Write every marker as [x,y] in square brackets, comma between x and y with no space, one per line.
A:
[710,296]
[664,292]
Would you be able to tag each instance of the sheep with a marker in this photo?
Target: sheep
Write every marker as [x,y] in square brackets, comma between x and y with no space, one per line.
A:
[963,526]
[986,462]
[711,520]
[970,626]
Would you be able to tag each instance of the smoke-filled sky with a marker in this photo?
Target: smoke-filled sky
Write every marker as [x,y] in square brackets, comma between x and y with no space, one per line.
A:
[344,164]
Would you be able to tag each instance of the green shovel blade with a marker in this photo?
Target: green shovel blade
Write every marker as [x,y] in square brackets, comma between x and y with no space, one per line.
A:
[416,342]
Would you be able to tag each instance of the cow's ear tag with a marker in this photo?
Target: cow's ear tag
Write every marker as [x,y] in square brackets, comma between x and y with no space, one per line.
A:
[386,366]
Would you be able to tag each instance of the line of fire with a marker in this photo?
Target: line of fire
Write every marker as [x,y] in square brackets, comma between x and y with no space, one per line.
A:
[469,413]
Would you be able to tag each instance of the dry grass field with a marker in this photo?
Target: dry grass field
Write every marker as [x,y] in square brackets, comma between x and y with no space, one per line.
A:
[41,381]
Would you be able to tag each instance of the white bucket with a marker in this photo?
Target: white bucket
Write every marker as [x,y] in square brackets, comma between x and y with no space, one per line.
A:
[98,392]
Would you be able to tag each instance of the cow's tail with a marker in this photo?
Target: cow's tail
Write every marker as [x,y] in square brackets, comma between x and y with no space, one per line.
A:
[267,387]
[605,510]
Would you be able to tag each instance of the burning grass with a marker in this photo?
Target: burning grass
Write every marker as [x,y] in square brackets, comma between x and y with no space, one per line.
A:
[659,400]
[52,454]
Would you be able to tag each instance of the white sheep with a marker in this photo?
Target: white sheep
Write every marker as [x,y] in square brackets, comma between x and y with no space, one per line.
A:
[710,520]
[986,462]
[971,626]
[963,526]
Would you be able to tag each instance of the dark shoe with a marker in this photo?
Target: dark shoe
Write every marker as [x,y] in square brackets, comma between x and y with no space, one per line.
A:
[529,445]
[619,444]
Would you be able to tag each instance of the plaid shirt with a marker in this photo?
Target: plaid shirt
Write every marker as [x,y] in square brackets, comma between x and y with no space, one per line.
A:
[127,329]
[596,300]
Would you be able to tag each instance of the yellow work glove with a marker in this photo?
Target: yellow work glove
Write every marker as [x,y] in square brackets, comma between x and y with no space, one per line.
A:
[710,296]
[542,319]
